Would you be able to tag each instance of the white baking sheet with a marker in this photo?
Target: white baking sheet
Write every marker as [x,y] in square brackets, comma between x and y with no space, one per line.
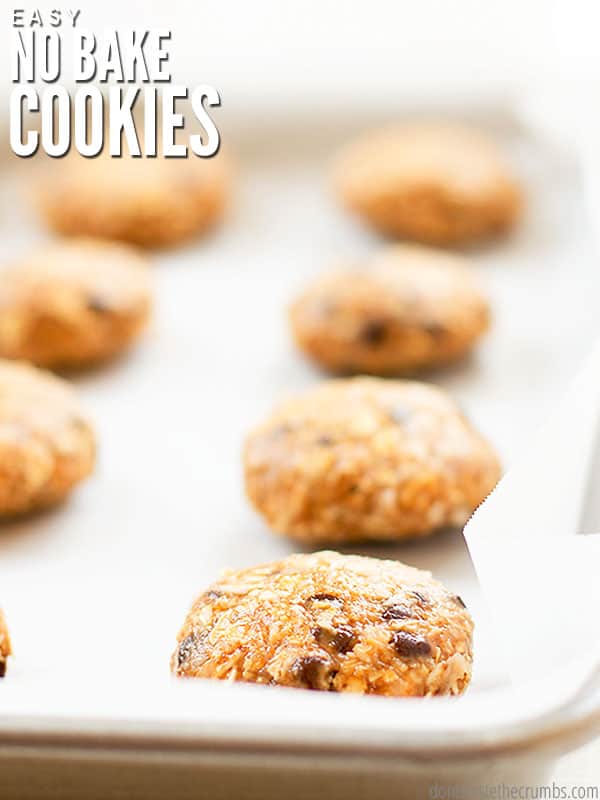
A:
[95,591]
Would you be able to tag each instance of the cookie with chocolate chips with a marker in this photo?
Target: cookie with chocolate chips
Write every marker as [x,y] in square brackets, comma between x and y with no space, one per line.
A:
[407,308]
[366,458]
[74,303]
[47,445]
[5,648]
[327,621]
[435,183]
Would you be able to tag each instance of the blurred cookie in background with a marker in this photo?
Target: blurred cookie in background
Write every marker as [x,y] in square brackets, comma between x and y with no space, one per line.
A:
[433,183]
[5,648]
[73,303]
[151,202]
[405,309]
[330,622]
[366,458]
[47,445]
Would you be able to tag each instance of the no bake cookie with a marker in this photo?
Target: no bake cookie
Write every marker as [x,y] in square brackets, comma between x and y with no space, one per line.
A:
[365,458]
[47,445]
[73,303]
[151,202]
[330,622]
[434,183]
[405,309]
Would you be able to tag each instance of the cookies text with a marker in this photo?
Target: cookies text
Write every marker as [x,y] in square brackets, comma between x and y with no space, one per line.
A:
[120,94]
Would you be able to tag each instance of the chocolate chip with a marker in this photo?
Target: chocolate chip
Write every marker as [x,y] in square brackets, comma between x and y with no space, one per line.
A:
[421,597]
[2,668]
[212,594]
[373,332]
[98,304]
[396,611]
[192,648]
[324,597]
[410,645]
[325,441]
[460,601]
[185,649]
[340,639]
[344,639]
[314,672]
[435,330]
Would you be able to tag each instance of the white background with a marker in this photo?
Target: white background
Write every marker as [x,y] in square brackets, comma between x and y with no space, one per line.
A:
[330,47]
[268,52]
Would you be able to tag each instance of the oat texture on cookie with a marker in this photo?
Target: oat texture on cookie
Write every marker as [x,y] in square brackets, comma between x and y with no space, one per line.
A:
[405,309]
[47,445]
[330,622]
[366,458]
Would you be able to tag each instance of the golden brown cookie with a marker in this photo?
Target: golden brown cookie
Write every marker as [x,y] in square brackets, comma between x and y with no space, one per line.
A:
[330,622]
[405,309]
[365,458]
[5,649]
[73,303]
[46,444]
[151,202]
[433,183]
